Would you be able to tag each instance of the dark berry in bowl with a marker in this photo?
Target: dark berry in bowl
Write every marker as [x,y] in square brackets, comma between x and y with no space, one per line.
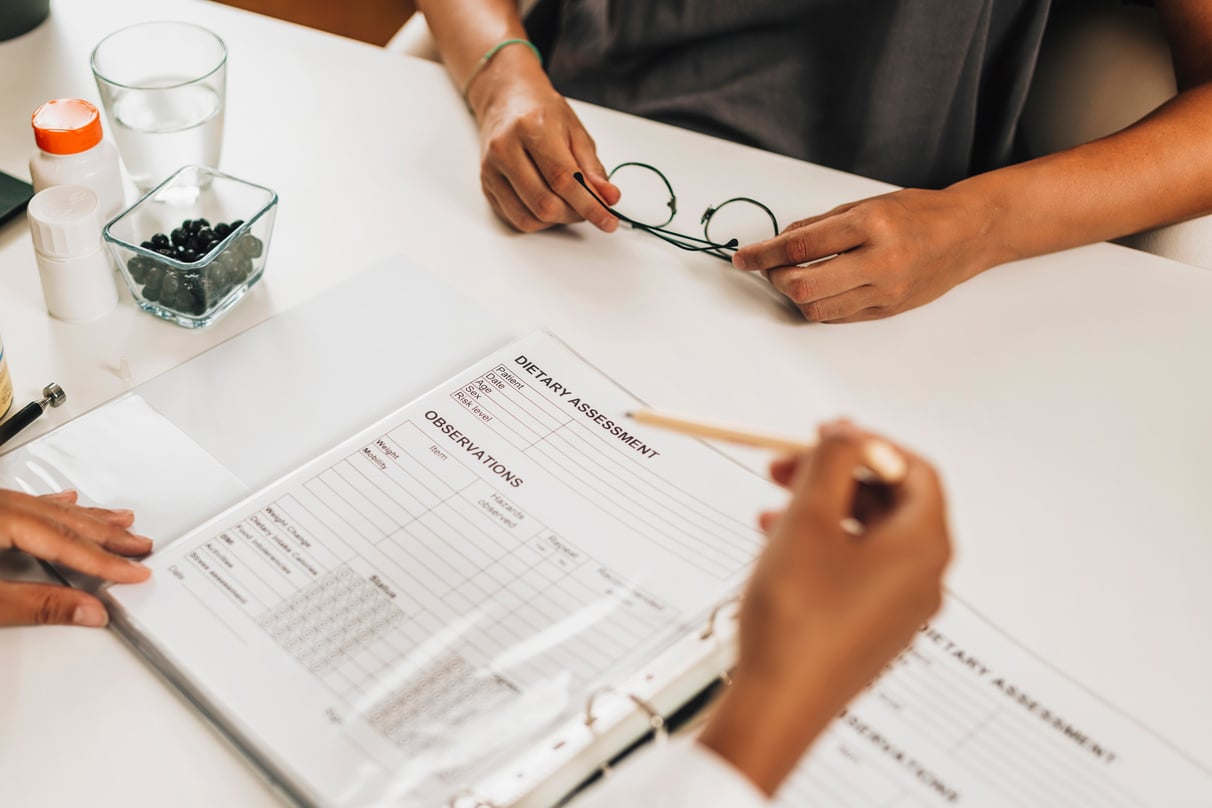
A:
[250,245]
[191,290]
[137,267]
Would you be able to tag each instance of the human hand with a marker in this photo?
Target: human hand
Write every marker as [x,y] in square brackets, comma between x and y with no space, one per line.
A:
[825,611]
[54,528]
[532,144]
[892,253]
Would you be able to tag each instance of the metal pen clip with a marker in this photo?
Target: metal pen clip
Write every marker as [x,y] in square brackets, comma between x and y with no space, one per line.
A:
[52,396]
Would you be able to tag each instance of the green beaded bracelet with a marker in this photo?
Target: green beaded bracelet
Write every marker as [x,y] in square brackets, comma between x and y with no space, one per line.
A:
[493,51]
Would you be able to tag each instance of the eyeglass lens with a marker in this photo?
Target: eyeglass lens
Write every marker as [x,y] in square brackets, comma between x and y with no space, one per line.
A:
[648,199]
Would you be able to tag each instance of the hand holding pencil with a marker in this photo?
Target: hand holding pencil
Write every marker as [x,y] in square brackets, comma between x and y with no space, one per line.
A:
[824,613]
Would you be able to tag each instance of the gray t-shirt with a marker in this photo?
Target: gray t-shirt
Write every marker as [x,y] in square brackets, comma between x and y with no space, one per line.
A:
[920,93]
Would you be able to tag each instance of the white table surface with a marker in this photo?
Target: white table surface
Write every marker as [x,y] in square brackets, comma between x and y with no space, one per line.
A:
[1066,399]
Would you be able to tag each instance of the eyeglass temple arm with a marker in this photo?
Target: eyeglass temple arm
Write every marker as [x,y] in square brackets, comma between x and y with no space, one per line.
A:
[672,238]
[580,178]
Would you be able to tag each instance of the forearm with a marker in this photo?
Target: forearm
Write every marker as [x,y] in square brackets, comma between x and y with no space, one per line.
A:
[465,29]
[1156,172]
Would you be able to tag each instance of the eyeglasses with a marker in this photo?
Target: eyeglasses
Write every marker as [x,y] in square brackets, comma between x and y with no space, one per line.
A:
[650,205]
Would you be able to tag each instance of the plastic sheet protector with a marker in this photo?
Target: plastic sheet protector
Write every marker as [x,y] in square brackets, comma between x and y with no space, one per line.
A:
[399,617]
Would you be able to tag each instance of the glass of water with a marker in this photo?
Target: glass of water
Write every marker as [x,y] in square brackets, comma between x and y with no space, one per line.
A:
[162,85]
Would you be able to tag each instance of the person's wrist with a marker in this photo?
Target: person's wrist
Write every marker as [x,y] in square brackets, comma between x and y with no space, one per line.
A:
[989,226]
[762,726]
[512,68]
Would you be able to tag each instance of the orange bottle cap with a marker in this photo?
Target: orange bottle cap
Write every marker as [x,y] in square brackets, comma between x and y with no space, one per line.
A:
[66,126]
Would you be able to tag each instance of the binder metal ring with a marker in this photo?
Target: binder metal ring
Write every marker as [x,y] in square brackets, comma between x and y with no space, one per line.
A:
[461,797]
[709,630]
[655,719]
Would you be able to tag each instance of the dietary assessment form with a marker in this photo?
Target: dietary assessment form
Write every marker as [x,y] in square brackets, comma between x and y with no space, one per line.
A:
[453,579]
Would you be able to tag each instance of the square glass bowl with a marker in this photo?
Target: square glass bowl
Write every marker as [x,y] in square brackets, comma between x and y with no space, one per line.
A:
[190,288]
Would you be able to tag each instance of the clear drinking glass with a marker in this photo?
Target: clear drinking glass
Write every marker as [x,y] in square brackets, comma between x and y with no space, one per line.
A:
[163,85]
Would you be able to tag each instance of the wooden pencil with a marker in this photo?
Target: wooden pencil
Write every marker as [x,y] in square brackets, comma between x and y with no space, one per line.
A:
[881,459]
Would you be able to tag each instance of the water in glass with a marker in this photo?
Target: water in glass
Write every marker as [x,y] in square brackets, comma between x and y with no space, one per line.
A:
[160,130]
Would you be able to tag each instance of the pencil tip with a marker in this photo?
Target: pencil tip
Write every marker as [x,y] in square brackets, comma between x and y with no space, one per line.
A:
[629,414]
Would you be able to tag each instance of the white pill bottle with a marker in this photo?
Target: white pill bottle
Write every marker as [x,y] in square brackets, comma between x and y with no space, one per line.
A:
[77,277]
[71,152]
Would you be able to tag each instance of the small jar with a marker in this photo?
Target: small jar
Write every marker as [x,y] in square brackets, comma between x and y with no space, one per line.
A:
[6,384]
[77,277]
[71,152]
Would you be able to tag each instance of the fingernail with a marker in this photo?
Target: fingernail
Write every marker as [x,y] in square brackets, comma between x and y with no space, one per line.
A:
[887,463]
[853,526]
[610,225]
[738,260]
[122,512]
[90,614]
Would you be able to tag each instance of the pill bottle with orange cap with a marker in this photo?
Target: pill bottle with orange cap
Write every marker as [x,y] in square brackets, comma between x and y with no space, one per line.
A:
[71,152]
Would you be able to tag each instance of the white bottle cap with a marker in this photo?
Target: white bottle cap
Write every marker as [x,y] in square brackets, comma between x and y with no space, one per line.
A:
[65,221]
[77,278]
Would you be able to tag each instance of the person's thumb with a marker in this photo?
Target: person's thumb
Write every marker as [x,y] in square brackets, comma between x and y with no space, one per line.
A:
[586,154]
[28,604]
